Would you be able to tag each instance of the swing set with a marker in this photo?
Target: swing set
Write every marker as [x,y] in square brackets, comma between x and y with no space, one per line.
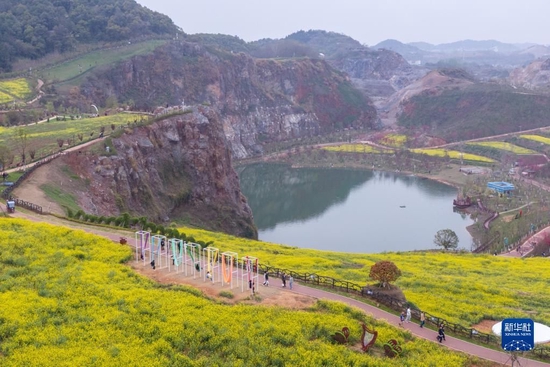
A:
[249,271]
[191,258]
[142,244]
[230,272]
[211,263]
[177,248]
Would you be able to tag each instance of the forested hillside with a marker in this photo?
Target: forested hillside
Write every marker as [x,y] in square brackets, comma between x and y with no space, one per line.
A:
[34,28]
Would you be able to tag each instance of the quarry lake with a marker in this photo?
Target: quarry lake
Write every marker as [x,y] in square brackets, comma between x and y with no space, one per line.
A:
[350,210]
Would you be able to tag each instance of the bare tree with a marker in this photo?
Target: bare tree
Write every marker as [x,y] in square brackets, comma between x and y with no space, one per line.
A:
[23,142]
[5,156]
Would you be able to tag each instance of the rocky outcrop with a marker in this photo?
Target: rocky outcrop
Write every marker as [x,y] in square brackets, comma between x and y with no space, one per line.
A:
[176,168]
[378,73]
[434,83]
[259,100]
[536,75]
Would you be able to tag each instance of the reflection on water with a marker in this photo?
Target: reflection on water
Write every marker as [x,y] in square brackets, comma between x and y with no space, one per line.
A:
[349,210]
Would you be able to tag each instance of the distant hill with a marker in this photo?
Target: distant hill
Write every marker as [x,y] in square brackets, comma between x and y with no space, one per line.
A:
[408,51]
[473,45]
[434,83]
[34,28]
[328,43]
[220,41]
[475,111]
[536,75]
[424,46]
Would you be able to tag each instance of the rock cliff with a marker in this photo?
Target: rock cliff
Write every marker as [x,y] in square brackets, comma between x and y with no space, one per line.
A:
[176,168]
[259,100]
[535,76]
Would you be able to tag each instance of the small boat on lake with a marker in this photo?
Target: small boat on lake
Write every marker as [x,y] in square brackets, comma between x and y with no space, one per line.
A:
[462,203]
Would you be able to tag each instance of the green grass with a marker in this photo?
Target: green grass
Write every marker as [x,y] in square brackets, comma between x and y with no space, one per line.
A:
[13,176]
[63,199]
[43,137]
[87,62]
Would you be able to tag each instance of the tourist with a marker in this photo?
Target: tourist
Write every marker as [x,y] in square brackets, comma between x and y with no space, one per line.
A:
[408,318]
[209,276]
[283,279]
[266,279]
[401,318]
[441,333]
[290,281]
[422,319]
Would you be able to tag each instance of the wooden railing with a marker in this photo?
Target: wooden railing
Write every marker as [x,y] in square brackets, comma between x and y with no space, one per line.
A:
[393,303]
[25,204]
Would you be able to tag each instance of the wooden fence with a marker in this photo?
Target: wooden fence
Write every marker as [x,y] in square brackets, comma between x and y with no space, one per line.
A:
[394,304]
[25,204]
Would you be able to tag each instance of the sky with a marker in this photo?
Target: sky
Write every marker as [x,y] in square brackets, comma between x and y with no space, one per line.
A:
[368,21]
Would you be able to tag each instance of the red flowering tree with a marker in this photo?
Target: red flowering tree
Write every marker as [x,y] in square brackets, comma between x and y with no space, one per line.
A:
[384,272]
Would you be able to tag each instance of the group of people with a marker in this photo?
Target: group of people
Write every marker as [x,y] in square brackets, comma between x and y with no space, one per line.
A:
[283,280]
[406,317]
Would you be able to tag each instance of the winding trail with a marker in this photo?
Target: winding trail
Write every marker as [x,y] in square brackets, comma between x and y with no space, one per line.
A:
[300,290]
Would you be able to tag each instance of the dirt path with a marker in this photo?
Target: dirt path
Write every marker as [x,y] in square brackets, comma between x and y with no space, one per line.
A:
[30,190]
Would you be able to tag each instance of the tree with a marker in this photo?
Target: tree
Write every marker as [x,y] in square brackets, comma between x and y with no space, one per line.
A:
[384,272]
[5,156]
[23,142]
[446,238]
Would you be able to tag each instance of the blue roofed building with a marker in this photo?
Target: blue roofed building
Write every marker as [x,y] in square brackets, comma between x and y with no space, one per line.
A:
[501,187]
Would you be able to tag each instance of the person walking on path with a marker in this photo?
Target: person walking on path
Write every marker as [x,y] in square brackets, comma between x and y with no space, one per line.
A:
[401,318]
[283,279]
[408,318]
[266,279]
[441,333]
[290,282]
[422,319]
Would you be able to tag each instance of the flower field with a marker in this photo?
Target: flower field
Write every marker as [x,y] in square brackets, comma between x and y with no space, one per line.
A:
[68,300]
[503,146]
[442,284]
[538,138]
[394,140]
[453,154]
[357,148]
[18,88]
[5,98]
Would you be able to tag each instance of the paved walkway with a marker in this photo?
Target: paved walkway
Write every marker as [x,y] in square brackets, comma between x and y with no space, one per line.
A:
[415,329]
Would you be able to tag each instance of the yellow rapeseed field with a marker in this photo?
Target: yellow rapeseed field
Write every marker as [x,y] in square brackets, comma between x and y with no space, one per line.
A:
[5,98]
[357,148]
[503,146]
[394,140]
[68,299]
[16,87]
[453,154]
[540,139]
[443,284]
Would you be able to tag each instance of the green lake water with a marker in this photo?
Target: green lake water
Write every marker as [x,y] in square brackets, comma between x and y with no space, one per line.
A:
[350,210]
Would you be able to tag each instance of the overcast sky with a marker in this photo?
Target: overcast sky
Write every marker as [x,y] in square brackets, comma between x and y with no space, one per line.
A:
[368,21]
